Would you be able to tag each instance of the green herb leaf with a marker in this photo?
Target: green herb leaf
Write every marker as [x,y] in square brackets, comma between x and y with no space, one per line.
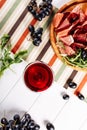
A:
[6,56]
[4,39]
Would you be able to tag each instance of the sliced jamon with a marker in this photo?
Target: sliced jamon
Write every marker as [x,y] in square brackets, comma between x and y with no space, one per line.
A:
[66,14]
[84,23]
[76,45]
[81,38]
[82,16]
[57,19]
[67,31]
[67,50]
[73,17]
[68,40]
[64,25]
[81,29]
[86,13]
[77,9]
[63,32]
[85,28]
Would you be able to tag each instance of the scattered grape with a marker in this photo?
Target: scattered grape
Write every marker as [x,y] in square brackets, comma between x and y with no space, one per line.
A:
[80,96]
[72,84]
[65,96]
[50,126]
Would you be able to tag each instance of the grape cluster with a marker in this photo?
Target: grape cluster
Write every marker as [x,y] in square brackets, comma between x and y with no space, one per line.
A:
[36,35]
[39,12]
[17,123]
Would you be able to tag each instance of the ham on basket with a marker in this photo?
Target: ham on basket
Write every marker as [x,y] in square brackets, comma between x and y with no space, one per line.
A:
[68,34]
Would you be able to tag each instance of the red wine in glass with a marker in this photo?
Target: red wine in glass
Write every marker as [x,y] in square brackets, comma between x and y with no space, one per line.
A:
[38,76]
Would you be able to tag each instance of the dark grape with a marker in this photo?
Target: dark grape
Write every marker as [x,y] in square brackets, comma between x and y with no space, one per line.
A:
[38,16]
[33,2]
[42,13]
[23,121]
[7,127]
[36,35]
[31,124]
[33,12]
[36,41]
[31,28]
[1,128]
[11,123]
[47,11]
[17,118]
[30,8]
[50,6]
[80,96]
[42,5]
[84,54]
[39,30]
[65,96]
[36,127]
[4,121]
[50,126]
[27,116]
[72,84]
[47,1]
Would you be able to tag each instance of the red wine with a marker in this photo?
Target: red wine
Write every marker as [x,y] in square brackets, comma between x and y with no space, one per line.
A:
[38,76]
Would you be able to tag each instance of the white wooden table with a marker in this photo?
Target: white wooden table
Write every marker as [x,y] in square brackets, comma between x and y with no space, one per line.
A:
[48,105]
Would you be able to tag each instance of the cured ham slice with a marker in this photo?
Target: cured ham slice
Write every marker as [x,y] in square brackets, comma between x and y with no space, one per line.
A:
[81,38]
[67,31]
[57,19]
[68,40]
[73,17]
[67,50]
[65,24]
[76,45]
[81,29]
[86,12]
[63,32]
[82,16]
[77,9]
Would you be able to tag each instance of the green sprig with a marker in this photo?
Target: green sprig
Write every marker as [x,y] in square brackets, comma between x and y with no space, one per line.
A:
[7,58]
